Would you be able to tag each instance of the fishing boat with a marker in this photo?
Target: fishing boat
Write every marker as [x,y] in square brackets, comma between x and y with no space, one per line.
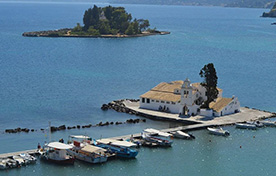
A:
[218,131]
[121,148]
[158,137]
[82,150]
[269,123]
[28,158]
[57,152]
[19,160]
[246,126]
[182,135]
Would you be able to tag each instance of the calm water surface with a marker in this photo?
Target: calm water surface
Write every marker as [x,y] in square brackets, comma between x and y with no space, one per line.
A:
[66,80]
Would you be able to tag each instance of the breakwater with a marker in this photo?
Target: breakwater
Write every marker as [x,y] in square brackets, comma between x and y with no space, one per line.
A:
[64,127]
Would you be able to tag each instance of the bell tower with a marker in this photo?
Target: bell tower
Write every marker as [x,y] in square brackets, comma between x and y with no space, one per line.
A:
[186,97]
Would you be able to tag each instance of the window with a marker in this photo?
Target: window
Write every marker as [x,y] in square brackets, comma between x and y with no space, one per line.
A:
[162,102]
[173,102]
[206,93]
[152,100]
[168,102]
[157,101]
[143,100]
[148,100]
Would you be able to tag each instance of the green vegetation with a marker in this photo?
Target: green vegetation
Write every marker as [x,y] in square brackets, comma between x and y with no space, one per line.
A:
[110,20]
[272,12]
[208,72]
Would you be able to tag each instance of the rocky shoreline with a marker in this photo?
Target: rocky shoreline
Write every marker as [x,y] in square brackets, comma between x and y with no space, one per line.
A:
[66,32]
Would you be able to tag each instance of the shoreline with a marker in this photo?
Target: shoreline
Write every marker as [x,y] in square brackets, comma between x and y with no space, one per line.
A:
[66,32]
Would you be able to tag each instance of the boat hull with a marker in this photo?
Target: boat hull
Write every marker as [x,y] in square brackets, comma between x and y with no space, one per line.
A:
[88,159]
[246,126]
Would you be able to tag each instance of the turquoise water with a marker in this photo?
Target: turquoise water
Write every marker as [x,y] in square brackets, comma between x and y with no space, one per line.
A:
[66,80]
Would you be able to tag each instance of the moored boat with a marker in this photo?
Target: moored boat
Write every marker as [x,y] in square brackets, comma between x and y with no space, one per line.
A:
[121,148]
[246,126]
[182,135]
[218,131]
[57,152]
[19,160]
[3,164]
[158,137]
[257,123]
[82,150]
[28,158]
[269,123]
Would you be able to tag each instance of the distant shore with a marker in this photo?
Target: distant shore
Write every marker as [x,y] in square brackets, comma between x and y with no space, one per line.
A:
[66,32]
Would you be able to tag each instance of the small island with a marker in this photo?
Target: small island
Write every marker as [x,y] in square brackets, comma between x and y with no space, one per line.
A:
[106,22]
[271,13]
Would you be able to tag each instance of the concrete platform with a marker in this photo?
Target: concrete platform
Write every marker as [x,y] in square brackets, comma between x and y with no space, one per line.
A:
[31,152]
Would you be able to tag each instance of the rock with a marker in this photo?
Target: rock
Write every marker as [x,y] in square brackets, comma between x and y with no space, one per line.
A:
[32,130]
[78,126]
[69,128]
[53,129]
[73,127]
[42,129]
[144,120]
[104,107]
[62,127]
[111,123]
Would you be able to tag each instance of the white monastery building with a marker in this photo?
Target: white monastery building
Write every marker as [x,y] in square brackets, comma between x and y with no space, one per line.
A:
[184,98]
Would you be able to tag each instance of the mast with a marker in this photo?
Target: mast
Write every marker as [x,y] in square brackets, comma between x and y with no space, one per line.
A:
[50,137]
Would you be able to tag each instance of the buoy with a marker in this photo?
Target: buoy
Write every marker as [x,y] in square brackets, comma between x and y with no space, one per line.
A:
[240,146]
[253,136]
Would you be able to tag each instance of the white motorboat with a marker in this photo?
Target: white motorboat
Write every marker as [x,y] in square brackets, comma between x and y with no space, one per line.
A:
[218,131]
[158,137]
[82,150]
[182,135]
[257,123]
[11,162]
[3,164]
[19,160]
[269,123]
[57,152]
[28,158]
[246,126]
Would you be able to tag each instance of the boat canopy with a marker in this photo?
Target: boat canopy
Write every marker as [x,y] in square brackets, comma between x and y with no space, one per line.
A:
[158,132]
[116,142]
[59,145]
[93,149]
[80,137]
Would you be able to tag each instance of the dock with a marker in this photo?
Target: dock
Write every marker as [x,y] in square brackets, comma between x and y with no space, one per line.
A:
[189,123]
[7,155]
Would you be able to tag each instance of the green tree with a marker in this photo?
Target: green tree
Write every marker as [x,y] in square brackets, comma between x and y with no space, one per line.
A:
[208,72]
[91,17]
[78,28]
[130,30]
[136,26]
[104,27]
[143,24]
[92,31]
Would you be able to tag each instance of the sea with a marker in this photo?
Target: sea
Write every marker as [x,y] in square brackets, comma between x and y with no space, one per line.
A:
[65,81]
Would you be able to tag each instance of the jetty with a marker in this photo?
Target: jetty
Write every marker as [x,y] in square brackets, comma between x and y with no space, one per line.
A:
[7,155]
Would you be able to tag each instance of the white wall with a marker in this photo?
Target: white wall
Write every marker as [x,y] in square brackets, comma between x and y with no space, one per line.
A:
[206,112]
[153,105]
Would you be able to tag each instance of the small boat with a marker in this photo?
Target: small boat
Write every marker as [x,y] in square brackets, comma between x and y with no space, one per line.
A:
[269,123]
[82,150]
[257,123]
[3,164]
[19,160]
[182,135]
[218,131]
[11,162]
[121,148]
[28,158]
[57,152]
[246,126]
[158,137]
